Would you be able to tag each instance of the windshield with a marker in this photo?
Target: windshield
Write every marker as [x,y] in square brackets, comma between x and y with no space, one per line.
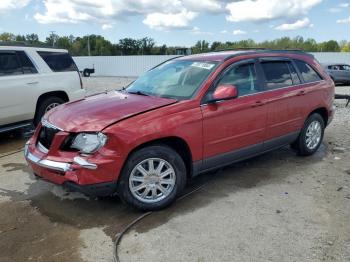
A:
[177,79]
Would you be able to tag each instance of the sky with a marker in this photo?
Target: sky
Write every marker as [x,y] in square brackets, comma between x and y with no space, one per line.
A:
[179,22]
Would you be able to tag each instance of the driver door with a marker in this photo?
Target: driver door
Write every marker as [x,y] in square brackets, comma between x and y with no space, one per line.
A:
[234,129]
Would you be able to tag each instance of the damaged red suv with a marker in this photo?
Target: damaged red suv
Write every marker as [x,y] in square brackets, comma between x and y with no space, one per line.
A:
[182,118]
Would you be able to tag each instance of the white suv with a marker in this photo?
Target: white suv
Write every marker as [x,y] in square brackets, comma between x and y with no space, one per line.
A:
[33,81]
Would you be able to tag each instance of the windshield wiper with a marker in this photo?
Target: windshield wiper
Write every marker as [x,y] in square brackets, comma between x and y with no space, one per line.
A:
[138,93]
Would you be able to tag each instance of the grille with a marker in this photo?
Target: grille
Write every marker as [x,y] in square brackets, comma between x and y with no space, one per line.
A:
[47,135]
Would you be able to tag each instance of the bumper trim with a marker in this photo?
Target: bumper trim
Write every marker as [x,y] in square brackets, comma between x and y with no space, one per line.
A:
[58,166]
[83,163]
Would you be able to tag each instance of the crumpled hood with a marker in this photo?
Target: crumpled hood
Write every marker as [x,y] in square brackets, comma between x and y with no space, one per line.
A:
[94,113]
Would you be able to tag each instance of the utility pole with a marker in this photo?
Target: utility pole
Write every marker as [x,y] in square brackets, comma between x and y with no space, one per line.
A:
[88,45]
[53,38]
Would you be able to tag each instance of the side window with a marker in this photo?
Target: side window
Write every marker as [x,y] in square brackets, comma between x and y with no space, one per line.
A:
[243,77]
[58,62]
[277,74]
[9,64]
[27,65]
[294,74]
[344,67]
[308,73]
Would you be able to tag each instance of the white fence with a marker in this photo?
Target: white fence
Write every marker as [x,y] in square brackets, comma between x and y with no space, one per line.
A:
[136,65]
[333,57]
[120,65]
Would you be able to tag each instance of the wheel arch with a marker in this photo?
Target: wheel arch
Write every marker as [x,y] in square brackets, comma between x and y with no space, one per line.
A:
[61,94]
[176,143]
[323,112]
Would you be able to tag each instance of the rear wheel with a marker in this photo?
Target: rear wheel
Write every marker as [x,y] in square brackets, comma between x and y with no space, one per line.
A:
[311,136]
[46,105]
[152,178]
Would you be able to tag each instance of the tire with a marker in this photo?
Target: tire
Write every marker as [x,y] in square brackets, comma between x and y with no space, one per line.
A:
[131,178]
[86,73]
[310,138]
[44,107]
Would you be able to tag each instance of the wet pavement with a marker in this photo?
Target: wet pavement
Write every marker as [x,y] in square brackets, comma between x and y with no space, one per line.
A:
[275,207]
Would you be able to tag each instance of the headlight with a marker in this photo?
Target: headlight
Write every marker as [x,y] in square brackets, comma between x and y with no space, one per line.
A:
[89,142]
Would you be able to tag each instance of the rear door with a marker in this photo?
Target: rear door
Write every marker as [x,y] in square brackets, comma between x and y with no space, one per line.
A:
[234,129]
[337,72]
[284,106]
[344,73]
[17,79]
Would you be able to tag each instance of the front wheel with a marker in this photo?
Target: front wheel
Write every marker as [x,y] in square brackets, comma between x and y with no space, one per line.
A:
[152,178]
[311,135]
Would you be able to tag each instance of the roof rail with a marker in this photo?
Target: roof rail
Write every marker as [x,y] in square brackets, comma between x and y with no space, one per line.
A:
[258,49]
[239,49]
[24,44]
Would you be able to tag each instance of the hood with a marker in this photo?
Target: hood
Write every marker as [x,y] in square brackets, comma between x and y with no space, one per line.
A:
[94,113]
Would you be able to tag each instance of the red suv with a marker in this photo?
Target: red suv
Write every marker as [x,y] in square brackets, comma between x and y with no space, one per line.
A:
[182,118]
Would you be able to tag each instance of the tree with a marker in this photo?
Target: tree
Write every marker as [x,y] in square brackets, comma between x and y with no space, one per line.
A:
[32,39]
[200,47]
[329,46]
[7,37]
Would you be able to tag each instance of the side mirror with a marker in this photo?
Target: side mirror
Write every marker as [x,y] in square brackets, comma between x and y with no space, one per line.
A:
[224,92]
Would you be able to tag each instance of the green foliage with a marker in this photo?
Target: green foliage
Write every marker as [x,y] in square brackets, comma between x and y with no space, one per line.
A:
[99,46]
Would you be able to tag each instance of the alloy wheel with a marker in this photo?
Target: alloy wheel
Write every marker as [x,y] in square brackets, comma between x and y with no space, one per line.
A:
[152,180]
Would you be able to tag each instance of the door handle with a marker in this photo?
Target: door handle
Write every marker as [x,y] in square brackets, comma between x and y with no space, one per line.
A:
[33,83]
[301,93]
[258,103]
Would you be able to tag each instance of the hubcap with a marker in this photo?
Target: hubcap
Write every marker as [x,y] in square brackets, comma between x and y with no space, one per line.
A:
[313,135]
[51,106]
[152,180]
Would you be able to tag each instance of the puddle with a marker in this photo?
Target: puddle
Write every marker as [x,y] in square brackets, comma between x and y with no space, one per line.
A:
[26,235]
[11,141]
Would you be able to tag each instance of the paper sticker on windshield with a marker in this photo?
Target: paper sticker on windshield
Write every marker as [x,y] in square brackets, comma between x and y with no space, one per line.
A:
[203,65]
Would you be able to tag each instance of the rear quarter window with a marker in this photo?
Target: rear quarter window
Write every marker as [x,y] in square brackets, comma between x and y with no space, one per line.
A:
[307,72]
[277,74]
[58,62]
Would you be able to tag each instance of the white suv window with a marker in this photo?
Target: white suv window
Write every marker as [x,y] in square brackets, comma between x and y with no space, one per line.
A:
[58,62]
[9,64]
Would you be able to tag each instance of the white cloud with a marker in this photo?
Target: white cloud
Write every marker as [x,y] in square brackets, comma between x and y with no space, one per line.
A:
[212,6]
[107,27]
[223,32]
[334,10]
[161,21]
[197,31]
[299,24]
[265,10]
[339,8]
[344,5]
[344,21]
[239,32]
[158,14]
[6,5]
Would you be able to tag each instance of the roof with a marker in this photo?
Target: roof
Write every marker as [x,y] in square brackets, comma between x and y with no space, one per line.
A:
[22,48]
[333,64]
[224,55]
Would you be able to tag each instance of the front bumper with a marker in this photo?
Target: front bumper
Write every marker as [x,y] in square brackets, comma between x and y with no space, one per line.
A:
[95,177]
[58,166]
